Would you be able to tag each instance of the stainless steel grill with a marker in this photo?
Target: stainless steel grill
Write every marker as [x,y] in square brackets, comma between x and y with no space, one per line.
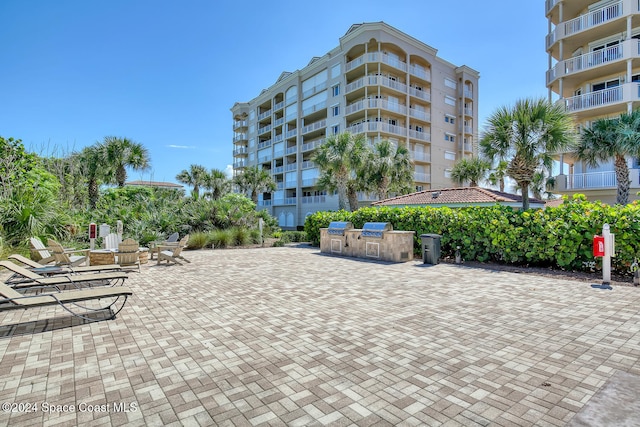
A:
[376,229]
[337,228]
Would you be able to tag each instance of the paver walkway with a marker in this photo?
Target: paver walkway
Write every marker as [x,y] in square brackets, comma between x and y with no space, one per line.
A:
[288,336]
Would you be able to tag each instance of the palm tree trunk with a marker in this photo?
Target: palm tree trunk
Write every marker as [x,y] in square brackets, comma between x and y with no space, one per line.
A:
[352,195]
[121,176]
[93,193]
[502,185]
[525,195]
[622,176]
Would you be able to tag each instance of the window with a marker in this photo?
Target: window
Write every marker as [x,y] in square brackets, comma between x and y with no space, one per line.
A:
[447,173]
[450,100]
[449,137]
[335,110]
[449,83]
[449,119]
[335,90]
[335,129]
[449,155]
[393,122]
[419,187]
[606,85]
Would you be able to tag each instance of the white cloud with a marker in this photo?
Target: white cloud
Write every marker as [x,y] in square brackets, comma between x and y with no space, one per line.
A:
[183,147]
[229,171]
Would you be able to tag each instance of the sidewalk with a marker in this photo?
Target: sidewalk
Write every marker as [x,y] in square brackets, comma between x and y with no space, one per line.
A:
[288,336]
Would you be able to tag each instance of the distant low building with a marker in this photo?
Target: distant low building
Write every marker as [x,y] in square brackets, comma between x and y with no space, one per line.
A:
[156,184]
[459,198]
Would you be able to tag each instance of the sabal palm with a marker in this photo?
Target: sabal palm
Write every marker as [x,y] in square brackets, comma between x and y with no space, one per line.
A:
[615,139]
[91,160]
[122,153]
[254,180]
[194,177]
[497,175]
[527,135]
[339,159]
[217,184]
[389,168]
[472,170]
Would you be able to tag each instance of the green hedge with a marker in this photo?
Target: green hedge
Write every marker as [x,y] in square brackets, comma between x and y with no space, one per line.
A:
[558,237]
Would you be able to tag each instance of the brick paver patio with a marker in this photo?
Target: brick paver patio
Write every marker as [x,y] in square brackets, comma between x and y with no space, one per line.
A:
[287,336]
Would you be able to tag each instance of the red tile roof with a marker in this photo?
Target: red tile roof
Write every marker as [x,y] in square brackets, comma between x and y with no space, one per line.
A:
[154,184]
[457,196]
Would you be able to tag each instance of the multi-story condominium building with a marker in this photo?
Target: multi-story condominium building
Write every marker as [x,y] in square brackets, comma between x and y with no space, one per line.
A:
[594,70]
[379,81]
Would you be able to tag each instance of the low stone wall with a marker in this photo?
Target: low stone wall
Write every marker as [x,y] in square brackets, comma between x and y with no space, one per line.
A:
[394,246]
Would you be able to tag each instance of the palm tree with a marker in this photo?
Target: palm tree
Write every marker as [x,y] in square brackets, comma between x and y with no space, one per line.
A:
[120,153]
[91,159]
[255,180]
[194,177]
[217,183]
[497,175]
[389,168]
[527,135]
[469,169]
[339,158]
[615,139]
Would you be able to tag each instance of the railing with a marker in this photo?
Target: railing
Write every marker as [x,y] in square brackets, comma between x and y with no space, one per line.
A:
[626,50]
[468,93]
[265,202]
[309,182]
[465,146]
[422,136]
[264,114]
[278,169]
[467,129]
[241,150]
[290,184]
[240,137]
[278,106]
[278,138]
[264,159]
[376,57]
[291,133]
[280,185]
[314,199]
[238,165]
[239,124]
[291,167]
[264,144]
[370,197]
[264,129]
[378,127]
[421,156]
[278,122]
[376,103]
[584,22]
[594,99]
[317,107]
[308,164]
[420,115]
[419,93]
[291,150]
[314,126]
[421,177]
[468,112]
[314,90]
[549,4]
[420,72]
[278,153]
[290,201]
[312,144]
[592,180]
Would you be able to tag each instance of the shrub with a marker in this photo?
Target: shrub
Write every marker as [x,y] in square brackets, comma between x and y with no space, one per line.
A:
[221,238]
[198,240]
[240,236]
[254,236]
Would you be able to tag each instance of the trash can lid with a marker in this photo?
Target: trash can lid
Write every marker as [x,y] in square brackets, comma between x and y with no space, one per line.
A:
[430,235]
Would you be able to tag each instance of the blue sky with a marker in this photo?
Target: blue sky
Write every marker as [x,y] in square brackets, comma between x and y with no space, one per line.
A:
[166,73]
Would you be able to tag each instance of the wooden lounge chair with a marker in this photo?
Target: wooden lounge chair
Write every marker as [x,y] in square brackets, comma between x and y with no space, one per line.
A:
[24,278]
[66,270]
[10,299]
[173,253]
[129,253]
[39,252]
[63,256]
[171,241]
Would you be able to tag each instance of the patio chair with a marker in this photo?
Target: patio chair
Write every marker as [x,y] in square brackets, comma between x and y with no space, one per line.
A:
[154,247]
[39,252]
[173,253]
[63,256]
[111,241]
[10,299]
[129,253]
[65,270]
[24,278]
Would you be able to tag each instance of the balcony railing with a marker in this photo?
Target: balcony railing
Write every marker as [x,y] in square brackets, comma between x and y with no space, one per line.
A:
[421,156]
[309,182]
[278,169]
[592,180]
[241,150]
[468,112]
[239,124]
[240,137]
[422,136]
[264,144]
[376,57]
[586,21]
[312,144]
[376,103]
[264,129]
[240,164]
[378,127]
[291,167]
[419,93]
[308,164]
[420,72]
[468,93]
[314,126]
[625,93]
[265,202]
[549,4]
[291,150]
[314,199]
[278,106]
[317,107]
[420,115]
[421,177]
[291,133]
[628,49]
[263,115]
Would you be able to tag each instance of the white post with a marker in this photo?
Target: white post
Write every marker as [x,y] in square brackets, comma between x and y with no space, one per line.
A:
[606,259]
[119,229]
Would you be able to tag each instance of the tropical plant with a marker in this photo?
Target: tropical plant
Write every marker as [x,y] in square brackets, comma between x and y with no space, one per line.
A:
[388,168]
[527,135]
[339,159]
[15,162]
[217,184]
[497,174]
[254,180]
[195,177]
[122,153]
[615,139]
[471,170]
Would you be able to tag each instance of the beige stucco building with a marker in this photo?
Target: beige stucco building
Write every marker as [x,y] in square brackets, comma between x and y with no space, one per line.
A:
[594,70]
[378,81]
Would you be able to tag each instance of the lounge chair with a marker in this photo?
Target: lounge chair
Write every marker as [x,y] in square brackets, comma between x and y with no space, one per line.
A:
[129,253]
[39,252]
[173,253]
[10,299]
[63,256]
[24,278]
[172,241]
[66,270]
[111,241]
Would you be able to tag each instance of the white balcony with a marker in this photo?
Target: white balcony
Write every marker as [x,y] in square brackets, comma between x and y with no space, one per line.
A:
[629,49]
[419,93]
[310,182]
[264,144]
[291,167]
[376,57]
[595,181]
[278,106]
[628,92]
[317,107]
[240,164]
[378,127]
[314,199]
[590,20]
[421,156]
[308,164]
[291,150]
[425,116]
[240,151]
[264,115]
[314,126]
[239,124]
[376,103]
[550,4]
[291,133]
[422,136]
[421,177]
[265,202]
[468,112]
[264,129]
[420,72]
[312,144]
[240,137]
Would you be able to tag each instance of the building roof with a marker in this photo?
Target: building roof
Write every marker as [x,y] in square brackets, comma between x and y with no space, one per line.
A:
[158,184]
[459,197]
